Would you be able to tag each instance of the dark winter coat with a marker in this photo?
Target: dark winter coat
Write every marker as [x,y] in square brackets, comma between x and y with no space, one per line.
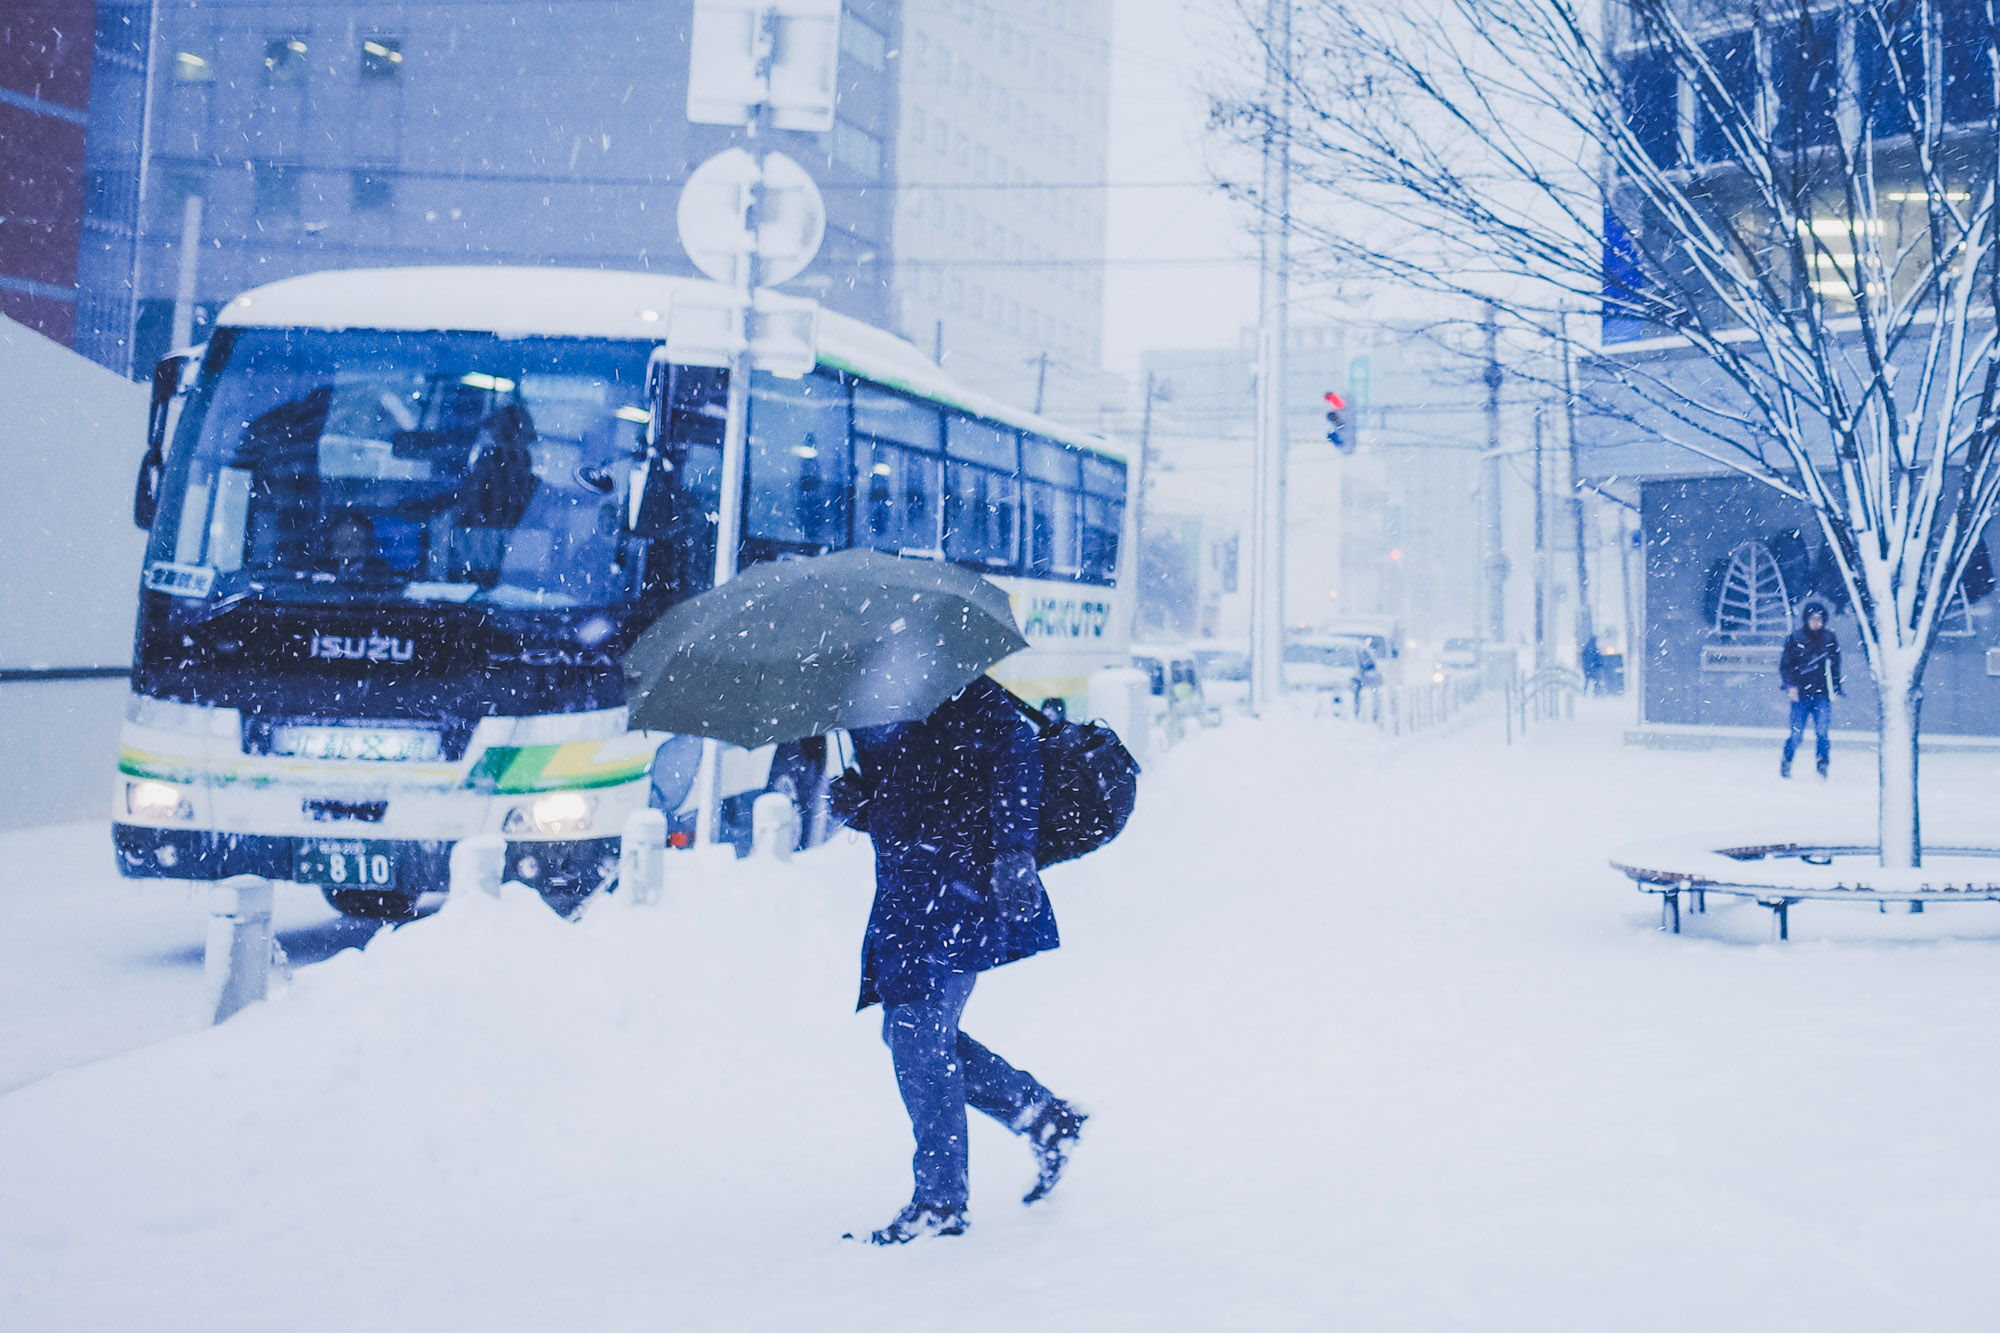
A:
[1810,663]
[945,797]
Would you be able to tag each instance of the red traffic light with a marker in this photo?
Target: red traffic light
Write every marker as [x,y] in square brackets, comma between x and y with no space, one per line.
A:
[1336,402]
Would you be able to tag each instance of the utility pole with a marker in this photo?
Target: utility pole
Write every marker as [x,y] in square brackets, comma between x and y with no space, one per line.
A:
[1492,550]
[1267,511]
[1140,483]
[1586,616]
[1042,381]
[185,287]
[133,369]
[1541,550]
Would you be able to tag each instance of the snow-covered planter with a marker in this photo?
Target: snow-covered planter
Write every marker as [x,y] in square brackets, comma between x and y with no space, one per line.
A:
[1779,874]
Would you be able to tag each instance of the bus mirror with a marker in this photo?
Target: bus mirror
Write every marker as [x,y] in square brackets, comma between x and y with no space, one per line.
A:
[658,376]
[167,375]
[146,492]
[653,502]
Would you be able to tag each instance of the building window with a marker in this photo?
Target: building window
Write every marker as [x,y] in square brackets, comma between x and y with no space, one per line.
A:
[284,61]
[192,68]
[277,190]
[381,57]
[373,190]
[1968,81]
[1734,59]
[1648,94]
[863,42]
[857,149]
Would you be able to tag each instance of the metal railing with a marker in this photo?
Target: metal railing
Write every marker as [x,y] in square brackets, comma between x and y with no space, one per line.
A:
[1546,695]
[1424,706]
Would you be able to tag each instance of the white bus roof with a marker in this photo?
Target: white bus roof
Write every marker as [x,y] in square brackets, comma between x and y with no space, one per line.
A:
[589,303]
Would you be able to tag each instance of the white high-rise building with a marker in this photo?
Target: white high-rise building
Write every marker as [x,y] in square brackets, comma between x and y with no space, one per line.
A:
[1000,221]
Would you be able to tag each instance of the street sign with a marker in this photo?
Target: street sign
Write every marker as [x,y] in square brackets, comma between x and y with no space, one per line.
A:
[784,334]
[778,55]
[714,218]
[714,326]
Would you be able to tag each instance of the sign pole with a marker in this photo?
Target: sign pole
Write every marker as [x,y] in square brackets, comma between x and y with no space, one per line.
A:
[735,452]
[784,78]
[1267,512]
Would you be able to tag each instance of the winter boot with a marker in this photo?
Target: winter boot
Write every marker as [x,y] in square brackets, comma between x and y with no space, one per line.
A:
[1785,767]
[1822,770]
[1053,1133]
[918,1220]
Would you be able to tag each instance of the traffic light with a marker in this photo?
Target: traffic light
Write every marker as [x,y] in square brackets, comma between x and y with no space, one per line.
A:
[1338,432]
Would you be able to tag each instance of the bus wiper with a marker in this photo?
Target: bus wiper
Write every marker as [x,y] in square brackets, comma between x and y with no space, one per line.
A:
[221,606]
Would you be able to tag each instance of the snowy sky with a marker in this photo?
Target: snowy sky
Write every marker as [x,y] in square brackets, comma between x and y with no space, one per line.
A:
[1163,50]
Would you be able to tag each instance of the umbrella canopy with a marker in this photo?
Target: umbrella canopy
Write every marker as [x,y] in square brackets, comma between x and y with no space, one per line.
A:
[804,647]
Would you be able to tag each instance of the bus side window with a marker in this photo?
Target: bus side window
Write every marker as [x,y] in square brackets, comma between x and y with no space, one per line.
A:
[1103,521]
[1103,517]
[898,501]
[1055,548]
[899,479]
[797,494]
[982,495]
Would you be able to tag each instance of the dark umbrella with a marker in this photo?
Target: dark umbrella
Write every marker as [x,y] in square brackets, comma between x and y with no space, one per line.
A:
[803,647]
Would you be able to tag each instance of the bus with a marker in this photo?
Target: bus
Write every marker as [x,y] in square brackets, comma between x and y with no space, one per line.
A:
[404,524]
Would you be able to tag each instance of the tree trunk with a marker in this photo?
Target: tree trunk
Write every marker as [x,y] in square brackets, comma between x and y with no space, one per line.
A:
[1898,819]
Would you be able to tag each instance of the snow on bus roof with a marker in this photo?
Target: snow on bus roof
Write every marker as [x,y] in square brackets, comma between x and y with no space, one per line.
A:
[591,303]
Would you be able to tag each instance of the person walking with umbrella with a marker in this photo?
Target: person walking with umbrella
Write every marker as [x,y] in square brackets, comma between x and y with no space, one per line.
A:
[951,803]
[949,787]
[1809,670]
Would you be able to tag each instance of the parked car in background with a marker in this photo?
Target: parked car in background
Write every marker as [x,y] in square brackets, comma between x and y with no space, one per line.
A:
[1459,655]
[1384,635]
[1173,677]
[1225,675]
[1337,665]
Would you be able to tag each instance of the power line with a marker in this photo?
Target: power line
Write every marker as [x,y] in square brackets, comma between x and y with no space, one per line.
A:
[647,182]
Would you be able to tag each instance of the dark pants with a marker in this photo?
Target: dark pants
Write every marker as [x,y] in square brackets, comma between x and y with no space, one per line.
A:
[1820,712]
[940,1072]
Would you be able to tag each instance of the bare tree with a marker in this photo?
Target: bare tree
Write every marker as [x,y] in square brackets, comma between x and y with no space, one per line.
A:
[1800,197]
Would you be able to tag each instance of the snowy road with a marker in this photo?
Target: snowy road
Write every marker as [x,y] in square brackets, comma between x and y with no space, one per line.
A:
[1373,1038]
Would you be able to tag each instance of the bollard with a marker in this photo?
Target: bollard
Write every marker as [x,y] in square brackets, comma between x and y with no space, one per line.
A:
[237,962]
[642,856]
[774,826]
[1120,697]
[477,865]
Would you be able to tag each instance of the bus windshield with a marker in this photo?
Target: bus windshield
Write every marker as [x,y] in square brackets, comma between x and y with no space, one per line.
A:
[432,465]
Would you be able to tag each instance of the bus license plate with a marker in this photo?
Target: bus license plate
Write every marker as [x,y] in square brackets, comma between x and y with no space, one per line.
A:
[342,864]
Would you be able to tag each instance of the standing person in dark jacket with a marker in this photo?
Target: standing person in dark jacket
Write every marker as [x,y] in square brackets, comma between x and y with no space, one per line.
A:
[1809,668]
[952,804]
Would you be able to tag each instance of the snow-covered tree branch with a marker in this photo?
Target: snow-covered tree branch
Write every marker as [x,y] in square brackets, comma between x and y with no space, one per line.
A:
[1802,196]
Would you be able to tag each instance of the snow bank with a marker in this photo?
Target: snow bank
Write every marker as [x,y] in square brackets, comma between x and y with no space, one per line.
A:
[1372,1037]
[71,436]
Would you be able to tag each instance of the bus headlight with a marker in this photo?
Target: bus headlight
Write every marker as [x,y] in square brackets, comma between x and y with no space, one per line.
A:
[160,802]
[552,815]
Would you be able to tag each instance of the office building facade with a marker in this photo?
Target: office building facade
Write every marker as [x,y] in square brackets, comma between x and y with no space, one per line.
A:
[287,137]
[1000,219]
[1727,563]
[45,86]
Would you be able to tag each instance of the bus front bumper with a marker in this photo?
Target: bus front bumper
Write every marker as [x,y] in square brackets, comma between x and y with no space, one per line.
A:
[570,866]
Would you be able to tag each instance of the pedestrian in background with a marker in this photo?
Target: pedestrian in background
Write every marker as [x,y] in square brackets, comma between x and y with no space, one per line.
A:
[952,803]
[1809,668]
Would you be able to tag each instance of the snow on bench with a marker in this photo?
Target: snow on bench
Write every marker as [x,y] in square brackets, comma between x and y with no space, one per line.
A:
[1776,875]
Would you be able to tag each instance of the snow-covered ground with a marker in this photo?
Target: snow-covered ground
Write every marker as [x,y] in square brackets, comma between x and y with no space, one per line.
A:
[1371,1036]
